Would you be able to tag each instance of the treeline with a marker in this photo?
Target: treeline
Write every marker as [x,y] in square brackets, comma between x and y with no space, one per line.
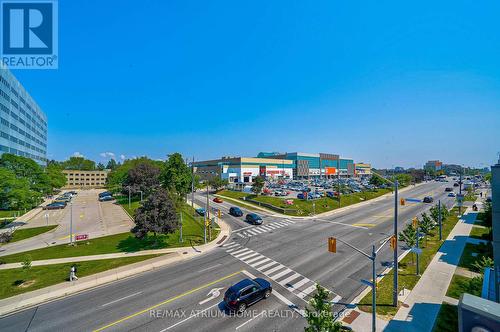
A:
[24,183]
[83,164]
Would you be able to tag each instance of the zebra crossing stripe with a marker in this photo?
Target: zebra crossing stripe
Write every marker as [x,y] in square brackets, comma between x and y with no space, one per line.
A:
[280,274]
[240,235]
[243,254]
[245,257]
[306,291]
[253,259]
[247,234]
[274,269]
[240,251]
[251,231]
[260,262]
[230,244]
[266,228]
[289,279]
[299,283]
[233,249]
[263,267]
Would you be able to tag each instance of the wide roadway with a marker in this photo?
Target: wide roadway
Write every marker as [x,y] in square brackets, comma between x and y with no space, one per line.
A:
[289,252]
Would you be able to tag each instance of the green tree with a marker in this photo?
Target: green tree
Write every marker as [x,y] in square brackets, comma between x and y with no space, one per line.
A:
[176,176]
[118,176]
[481,263]
[143,177]
[217,183]
[426,225]
[15,192]
[319,314]
[409,236]
[56,177]
[377,180]
[28,169]
[157,215]
[79,163]
[100,167]
[111,164]
[258,185]
[26,265]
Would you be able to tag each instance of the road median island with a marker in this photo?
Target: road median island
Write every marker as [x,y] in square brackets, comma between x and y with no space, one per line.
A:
[26,233]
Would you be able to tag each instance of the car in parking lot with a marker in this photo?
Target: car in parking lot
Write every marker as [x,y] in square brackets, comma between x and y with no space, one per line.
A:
[235,211]
[452,194]
[448,189]
[254,218]
[201,211]
[106,193]
[247,292]
[455,184]
[218,200]
[55,206]
[106,198]
[428,199]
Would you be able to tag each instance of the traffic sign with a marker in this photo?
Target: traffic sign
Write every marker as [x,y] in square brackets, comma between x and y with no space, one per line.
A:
[416,250]
[366,282]
[413,200]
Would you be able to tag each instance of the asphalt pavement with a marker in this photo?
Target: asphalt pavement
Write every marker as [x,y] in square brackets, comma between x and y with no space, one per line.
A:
[290,252]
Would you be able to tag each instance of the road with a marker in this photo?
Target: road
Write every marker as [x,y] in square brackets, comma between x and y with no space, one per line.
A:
[89,217]
[291,253]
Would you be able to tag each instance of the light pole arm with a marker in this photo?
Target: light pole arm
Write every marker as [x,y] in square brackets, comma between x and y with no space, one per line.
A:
[357,249]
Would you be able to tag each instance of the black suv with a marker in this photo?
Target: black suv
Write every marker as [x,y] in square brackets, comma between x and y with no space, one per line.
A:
[428,199]
[235,211]
[246,293]
[448,189]
[254,218]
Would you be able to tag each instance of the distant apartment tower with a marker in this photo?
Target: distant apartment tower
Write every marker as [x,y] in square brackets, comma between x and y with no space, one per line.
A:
[433,165]
[23,126]
[85,179]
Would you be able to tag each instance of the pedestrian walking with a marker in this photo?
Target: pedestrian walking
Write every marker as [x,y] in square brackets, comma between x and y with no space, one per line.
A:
[72,274]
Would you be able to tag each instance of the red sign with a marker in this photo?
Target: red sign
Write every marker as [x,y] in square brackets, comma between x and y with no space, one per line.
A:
[82,237]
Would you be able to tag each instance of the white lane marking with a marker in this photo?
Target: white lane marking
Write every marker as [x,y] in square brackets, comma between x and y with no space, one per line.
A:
[289,279]
[193,315]
[251,231]
[336,299]
[247,234]
[244,258]
[260,262]
[279,296]
[340,223]
[266,228]
[120,299]
[242,229]
[234,248]
[209,268]
[248,321]
[281,223]
[253,259]
[242,236]
[280,274]
[240,251]
[230,245]
[306,291]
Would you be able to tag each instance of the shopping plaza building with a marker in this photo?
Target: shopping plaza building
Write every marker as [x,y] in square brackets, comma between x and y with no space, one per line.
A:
[23,126]
[295,165]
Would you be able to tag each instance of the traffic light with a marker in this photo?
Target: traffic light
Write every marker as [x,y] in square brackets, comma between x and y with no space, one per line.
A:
[394,242]
[219,214]
[402,201]
[332,244]
[414,222]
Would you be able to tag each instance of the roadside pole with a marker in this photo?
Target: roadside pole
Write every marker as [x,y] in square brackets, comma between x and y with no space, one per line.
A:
[395,281]
[440,222]
[181,230]
[207,214]
[129,197]
[71,223]
[460,191]
[47,218]
[418,247]
[192,185]
[205,228]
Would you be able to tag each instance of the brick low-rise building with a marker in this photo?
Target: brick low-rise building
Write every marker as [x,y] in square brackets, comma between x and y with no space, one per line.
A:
[85,179]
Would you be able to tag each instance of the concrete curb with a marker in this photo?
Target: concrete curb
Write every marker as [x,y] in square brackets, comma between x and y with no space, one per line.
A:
[30,299]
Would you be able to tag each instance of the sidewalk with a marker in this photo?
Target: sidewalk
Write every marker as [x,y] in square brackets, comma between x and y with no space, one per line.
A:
[23,301]
[422,305]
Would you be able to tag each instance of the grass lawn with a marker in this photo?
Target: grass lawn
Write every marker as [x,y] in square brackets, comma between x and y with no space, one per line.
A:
[5,221]
[460,284]
[481,233]
[192,233]
[11,281]
[468,259]
[134,204]
[407,277]
[304,207]
[447,319]
[9,214]
[25,233]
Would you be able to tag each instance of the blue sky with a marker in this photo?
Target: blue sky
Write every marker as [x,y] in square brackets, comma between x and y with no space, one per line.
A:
[387,82]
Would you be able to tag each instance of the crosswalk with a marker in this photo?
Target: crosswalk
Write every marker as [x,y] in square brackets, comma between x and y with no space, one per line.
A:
[294,282]
[271,226]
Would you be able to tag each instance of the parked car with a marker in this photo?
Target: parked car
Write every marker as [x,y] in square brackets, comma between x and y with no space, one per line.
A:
[218,200]
[54,206]
[452,194]
[235,211]
[245,293]
[63,199]
[254,218]
[106,193]
[455,184]
[428,199]
[448,189]
[201,211]
[106,198]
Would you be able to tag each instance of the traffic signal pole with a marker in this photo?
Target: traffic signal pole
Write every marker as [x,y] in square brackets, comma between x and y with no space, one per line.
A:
[395,274]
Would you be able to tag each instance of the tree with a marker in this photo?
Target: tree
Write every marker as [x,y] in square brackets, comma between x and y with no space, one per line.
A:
[434,211]
[157,215]
[319,314]
[26,265]
[27,169]
[79,163]
[100,167]
[217,183]
[426,225]
[143,177]
[56,177]
[258,185]
[409,236]
[176,176]
[481,263]
[118,176]
[15,192]
[111,164]
[377,180]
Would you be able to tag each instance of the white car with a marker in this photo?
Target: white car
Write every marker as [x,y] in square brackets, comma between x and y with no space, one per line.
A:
[452,194]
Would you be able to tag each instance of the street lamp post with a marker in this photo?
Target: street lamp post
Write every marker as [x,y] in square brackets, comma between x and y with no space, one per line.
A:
[180,232]
[47,218]
[129,198]
[418,246]
[395,279]
[71,223]
[440,221]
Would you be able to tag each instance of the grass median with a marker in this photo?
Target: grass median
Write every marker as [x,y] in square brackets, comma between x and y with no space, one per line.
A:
[192,233]
[25,233]
[407,269]
[306,207]
[18,281]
